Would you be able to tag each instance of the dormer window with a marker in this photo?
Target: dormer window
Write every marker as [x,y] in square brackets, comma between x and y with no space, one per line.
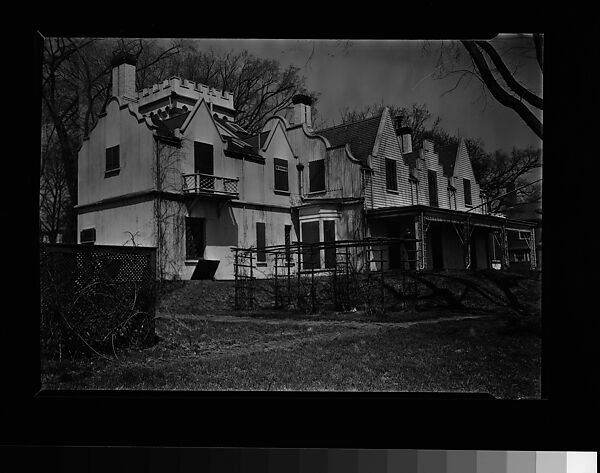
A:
[433,189]
[112,161]
[391,175]
[467,188]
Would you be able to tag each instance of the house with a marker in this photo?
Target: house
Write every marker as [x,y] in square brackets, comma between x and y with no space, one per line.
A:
[168,167]
[363,179]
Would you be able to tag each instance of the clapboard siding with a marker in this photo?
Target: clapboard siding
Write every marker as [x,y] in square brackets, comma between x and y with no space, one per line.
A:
[464,170]
[343,176]
[389,148]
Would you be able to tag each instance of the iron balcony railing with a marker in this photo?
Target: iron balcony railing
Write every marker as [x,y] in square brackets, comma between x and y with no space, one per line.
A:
[198,183]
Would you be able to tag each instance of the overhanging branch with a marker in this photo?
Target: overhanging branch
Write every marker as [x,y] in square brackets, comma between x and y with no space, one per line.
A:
[509,78]
[499,93]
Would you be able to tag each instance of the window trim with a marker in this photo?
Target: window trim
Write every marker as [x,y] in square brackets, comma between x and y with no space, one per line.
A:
[203,236]
[470,203]
[287,174]
[87,242]
[110,159]
[430,173]
[261,254]
[388,176]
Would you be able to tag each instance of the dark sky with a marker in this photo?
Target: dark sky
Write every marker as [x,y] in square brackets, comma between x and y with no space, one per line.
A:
[398,72]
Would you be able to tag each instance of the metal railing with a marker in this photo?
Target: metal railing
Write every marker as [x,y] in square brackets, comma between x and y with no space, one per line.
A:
[198,183]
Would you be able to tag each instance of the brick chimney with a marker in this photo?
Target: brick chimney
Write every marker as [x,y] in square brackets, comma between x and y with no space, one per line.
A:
[404,134]
[301,110]
[123,75]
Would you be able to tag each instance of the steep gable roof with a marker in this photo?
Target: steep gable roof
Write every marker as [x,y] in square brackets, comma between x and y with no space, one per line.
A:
[360,136]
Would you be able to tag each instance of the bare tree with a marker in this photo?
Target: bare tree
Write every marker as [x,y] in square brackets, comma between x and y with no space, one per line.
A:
[496,64]
[260,87]
[76,75]
[54,195]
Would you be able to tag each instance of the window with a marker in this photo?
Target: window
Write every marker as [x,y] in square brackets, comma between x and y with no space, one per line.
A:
[391,176]
[311,258]
[288,242]
[112,161]
[87,236]
[467,186]
[203,158]
[524,235]
[329,237]
[261,255]
[522,257]
[195,238]
[452,198]
[317,175]
[281,175]
[433,190]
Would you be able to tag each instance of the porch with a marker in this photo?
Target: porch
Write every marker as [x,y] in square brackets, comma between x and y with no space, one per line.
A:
[450,239]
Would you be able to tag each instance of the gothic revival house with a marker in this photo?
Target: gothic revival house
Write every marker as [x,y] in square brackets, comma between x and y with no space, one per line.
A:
[168,167]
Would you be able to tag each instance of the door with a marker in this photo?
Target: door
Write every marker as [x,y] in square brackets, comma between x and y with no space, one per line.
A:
[204,164]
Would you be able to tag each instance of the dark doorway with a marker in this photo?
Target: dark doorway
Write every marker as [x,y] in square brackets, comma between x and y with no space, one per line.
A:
[474,250]
[437,254]
[395,231]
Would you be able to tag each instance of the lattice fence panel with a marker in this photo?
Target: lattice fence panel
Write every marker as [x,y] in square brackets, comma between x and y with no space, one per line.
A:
[96,298]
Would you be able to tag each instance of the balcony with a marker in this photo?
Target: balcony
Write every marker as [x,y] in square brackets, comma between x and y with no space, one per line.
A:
[205,184]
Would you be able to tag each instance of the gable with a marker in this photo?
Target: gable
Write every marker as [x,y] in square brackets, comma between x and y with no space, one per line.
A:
[463,167]
[201,126]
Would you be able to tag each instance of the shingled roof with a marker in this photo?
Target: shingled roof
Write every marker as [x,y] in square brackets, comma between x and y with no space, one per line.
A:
[257,140]
[447,158]
[359,135]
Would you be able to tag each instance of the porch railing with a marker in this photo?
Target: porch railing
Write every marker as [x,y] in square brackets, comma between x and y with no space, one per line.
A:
[198,183]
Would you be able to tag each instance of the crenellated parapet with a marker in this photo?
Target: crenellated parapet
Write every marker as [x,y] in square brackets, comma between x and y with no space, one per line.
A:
[177,92]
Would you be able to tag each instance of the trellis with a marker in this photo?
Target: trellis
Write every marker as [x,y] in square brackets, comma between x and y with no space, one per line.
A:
[341,275]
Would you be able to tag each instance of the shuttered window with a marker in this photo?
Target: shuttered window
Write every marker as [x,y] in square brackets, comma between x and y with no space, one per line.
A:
[87,236]
[317,175]
[281,175]
[433,189]
[391,176]
[112,159]
[288,242]
[195,240]
[467,186]
[261,255]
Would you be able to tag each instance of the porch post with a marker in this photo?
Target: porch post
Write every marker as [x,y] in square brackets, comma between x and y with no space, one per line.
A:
[532,250]
[420,234]
[467,246]
[505,258]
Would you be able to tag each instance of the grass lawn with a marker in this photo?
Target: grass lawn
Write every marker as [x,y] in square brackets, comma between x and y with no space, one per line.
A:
[452,356]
